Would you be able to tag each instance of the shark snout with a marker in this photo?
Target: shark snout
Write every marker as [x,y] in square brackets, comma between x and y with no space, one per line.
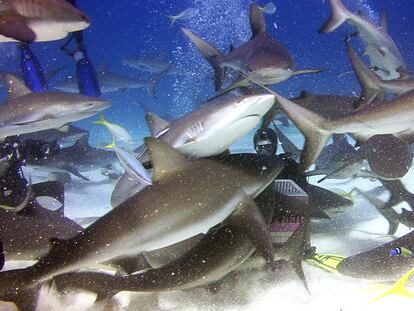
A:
[259,104]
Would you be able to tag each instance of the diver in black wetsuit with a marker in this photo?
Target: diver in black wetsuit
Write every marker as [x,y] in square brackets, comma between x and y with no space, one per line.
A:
[13,155]
[88,83]
[265,143]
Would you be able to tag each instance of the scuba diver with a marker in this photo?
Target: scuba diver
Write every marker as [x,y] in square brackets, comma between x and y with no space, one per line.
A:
[14,186]
[265,143]
[85,71]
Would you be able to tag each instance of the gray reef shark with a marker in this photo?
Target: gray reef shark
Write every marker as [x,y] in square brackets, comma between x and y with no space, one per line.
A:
[398,194]
[25,111]
[262,58]
[372,85]
[26,234]
[207,193]
[80,157]
[395,117]
[377,263]
[212,128]
[113,82]
[384,55]
[155,65]
[220,252]
[40,20]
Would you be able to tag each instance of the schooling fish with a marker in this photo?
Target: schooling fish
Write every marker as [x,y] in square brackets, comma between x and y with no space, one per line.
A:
[402,251]
[268,8]
[184,15]
[117,131]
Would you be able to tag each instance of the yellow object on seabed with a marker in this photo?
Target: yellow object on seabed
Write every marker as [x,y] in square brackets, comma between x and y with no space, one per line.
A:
[398,288]
[327,262]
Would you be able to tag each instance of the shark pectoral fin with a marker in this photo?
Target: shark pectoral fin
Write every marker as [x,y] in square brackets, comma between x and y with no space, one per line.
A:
[398,288]
[295,248]
[130,265]
[15,27]
[249,218]
[306,71]
[238,83]
[74,171]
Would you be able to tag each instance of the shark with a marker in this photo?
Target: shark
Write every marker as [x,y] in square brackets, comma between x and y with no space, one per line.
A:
[209,261]
[25,111]
[382,51]
[80,157]
[200,133]
[392,121]
[40,20]
[155,65]
[110,81]
[26,234]
[372,85]
[378,264]
[207,193]
[262,58]
[398,194]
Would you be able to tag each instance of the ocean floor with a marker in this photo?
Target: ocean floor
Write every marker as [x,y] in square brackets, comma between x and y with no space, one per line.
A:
[357,229]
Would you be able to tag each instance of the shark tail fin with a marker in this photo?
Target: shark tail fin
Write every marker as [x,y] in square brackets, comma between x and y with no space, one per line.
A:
[212,55]
[398,288]
[295,248]
[173,19]
[339,15]
[101,120]
[155,80]
[314,127]
[371,84]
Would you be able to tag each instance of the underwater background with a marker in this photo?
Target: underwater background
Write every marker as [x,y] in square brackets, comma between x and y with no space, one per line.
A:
[124,29]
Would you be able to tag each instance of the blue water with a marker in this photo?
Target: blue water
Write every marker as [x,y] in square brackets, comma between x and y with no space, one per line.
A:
[121,29]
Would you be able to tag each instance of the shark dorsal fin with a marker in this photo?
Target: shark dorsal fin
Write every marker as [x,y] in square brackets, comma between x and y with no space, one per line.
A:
[165,159]
[257,21]
[384,23]
[155,123]
[16,87]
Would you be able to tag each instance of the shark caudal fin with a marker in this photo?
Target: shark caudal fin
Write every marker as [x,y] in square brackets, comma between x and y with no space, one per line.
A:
[212,55]
[295,248]
[370,83]
[314,127]
[155,80]
[339,15]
